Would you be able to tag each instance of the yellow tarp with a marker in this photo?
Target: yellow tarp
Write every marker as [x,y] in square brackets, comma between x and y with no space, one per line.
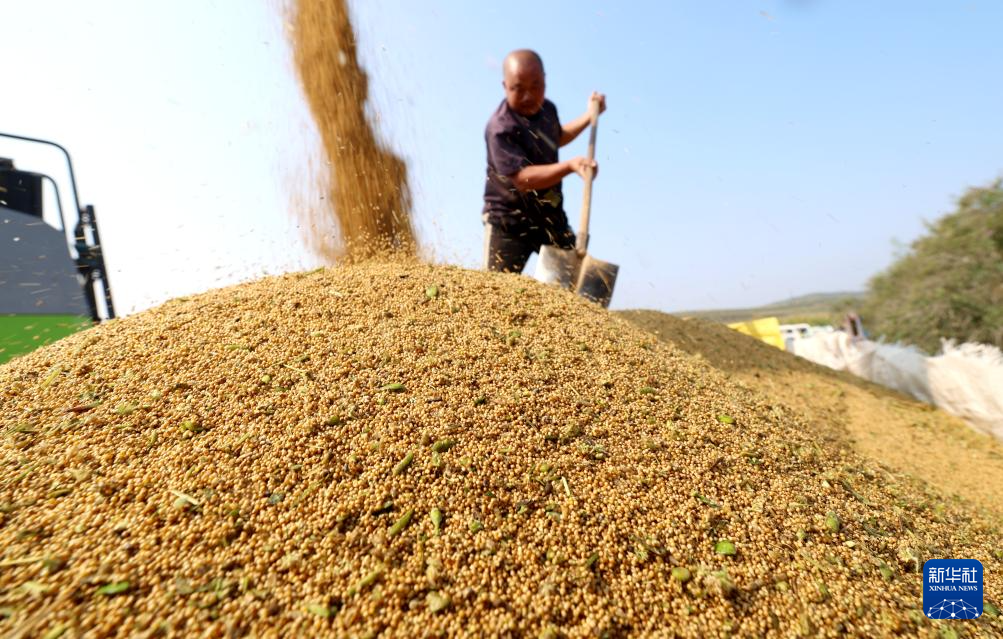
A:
[766,329]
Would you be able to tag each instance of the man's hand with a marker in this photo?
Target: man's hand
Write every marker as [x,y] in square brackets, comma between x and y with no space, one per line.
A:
[601,98]
[570,130]
[537,177]
[582,166]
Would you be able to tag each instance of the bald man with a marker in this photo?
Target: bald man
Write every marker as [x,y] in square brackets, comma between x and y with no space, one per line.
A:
[523,203]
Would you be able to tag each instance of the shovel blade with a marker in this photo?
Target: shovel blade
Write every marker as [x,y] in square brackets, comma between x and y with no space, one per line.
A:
[558,266]
[596,280]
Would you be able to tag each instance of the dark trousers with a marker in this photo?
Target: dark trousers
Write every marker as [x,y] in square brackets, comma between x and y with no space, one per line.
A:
[508,251]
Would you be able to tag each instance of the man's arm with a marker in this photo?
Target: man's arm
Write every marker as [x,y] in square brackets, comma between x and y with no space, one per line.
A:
[573,129]
[543,176]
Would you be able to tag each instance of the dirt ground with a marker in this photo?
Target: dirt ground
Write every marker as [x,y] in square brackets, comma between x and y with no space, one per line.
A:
[893,429]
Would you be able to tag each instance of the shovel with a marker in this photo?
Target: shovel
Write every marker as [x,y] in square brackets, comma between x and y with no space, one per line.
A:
[575,269]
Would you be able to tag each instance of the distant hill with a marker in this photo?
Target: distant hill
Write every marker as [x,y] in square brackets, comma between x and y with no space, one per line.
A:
[814,308]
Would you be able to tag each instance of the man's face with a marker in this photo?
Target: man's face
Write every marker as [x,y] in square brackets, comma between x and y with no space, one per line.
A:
[524,87]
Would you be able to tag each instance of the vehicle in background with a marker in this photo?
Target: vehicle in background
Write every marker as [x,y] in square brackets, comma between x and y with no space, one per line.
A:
[53,281]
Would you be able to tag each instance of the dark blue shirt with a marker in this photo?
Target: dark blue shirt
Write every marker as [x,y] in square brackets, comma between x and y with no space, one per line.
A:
[515,141]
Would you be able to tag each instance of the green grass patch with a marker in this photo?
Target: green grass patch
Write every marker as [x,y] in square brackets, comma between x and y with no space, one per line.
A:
[20,334]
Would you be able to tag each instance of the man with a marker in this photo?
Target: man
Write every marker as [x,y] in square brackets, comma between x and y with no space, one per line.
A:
[523,204]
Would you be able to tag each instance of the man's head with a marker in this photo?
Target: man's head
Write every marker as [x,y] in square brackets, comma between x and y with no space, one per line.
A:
[524,81]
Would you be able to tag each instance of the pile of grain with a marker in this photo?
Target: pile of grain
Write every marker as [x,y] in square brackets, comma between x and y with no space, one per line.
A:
[369,194]
[394,449]
[843,409]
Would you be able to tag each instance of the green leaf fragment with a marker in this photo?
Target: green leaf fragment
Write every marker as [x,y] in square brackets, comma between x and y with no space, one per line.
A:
[432,292]
[886,571]
[319,609]
[833,522]
[25,561]
[443,445]
[849,488]
[437,602]
[35,588]
[309,490]
[276,498]
[366,581]
[403,464]
[393,388]
[823,590]
[682,575]
[641,552]
[725,582]
[647,390]
[192,426]
[726,419]
[550,632]
[56,631]
[990,609]
[114,588]
[591,561]
[401,523]
[51,377]
[436,516]
[704,500]
[475,526]
[126,409]
[725,547]
[184,500]
[946,632]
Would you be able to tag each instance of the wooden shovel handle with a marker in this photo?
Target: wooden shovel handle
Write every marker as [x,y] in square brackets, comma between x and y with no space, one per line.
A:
[582,242]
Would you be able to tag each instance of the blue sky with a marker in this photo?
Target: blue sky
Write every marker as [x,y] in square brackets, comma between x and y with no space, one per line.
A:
[751,151]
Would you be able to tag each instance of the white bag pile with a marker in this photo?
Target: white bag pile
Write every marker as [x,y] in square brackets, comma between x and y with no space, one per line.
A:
[965,380]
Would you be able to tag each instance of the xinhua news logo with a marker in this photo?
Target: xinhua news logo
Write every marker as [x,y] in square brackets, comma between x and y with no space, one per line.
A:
[952,588]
